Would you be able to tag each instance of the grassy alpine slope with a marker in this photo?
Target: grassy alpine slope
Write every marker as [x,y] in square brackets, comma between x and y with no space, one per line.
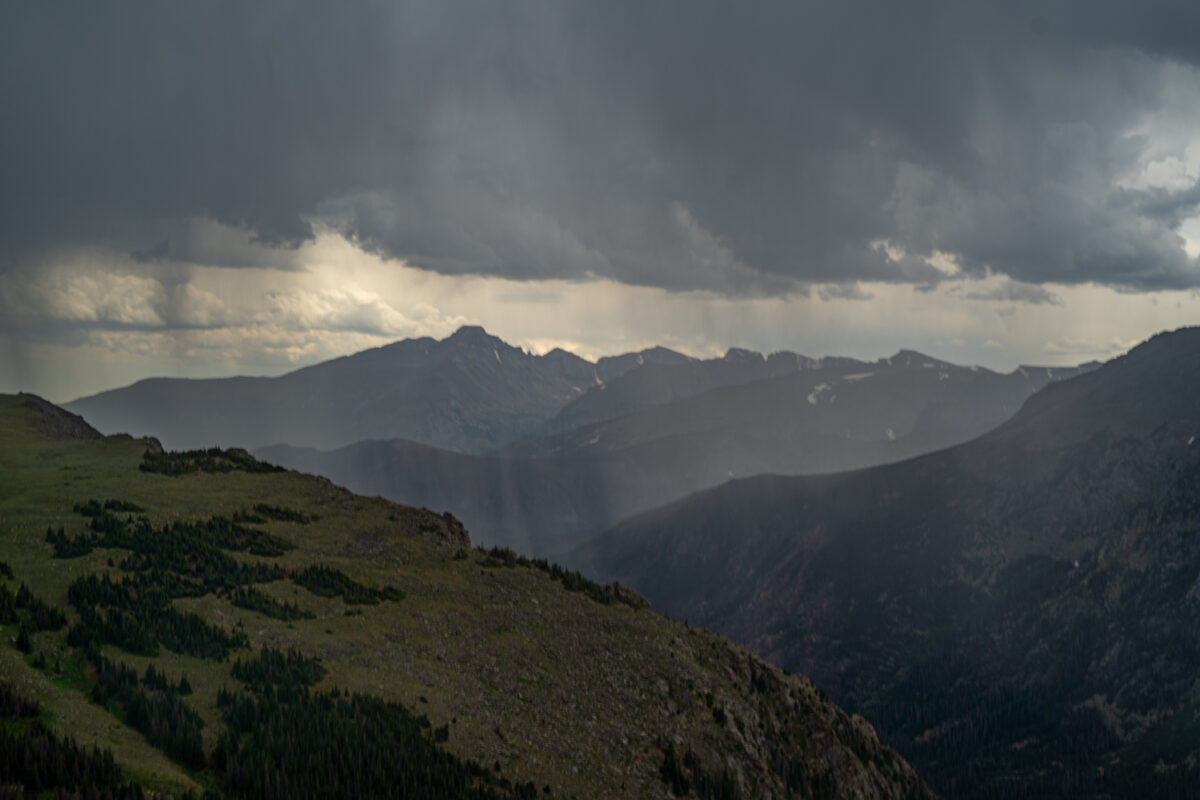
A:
[537,681]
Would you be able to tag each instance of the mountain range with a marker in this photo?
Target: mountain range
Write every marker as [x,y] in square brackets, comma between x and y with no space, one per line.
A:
[666,428]
[1002,576]
[468,392]
[1019,614]
[538,452]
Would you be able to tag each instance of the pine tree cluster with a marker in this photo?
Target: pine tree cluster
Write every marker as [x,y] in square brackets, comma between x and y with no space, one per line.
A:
[214,459]
[30,613]
[293,743]
[572,580]
[264,512]
[153,706]
[36,763]
[252,599]
[290,670]
[136,615]
[14,705]
[328,582]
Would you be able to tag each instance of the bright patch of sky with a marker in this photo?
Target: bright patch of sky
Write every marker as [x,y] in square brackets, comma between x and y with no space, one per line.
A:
[95,321]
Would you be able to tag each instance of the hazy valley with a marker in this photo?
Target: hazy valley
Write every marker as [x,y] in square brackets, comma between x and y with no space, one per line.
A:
[597,442]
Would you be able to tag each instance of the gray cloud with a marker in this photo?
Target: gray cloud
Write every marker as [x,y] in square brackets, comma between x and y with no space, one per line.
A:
[758,149]
[1014,292]
[159,252]
[844,291]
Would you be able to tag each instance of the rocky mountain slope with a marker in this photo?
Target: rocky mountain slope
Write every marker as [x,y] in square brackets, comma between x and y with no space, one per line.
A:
[219,624]
[1019,614]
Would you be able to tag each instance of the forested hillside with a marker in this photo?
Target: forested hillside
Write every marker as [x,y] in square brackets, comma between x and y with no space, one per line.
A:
[203,622]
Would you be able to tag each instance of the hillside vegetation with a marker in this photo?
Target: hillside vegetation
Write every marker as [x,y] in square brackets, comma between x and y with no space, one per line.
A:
[212,624]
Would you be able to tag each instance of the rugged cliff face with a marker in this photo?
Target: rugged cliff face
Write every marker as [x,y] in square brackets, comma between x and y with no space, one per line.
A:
[530,680]
[1018,614]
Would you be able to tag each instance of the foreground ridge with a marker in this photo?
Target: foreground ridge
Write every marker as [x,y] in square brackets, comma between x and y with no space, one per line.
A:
[176,603]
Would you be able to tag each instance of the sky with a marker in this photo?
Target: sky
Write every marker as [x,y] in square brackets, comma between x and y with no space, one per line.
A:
[204,189]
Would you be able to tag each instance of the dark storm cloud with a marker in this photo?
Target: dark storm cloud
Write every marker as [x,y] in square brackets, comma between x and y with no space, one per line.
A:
[749,148]
[159,252]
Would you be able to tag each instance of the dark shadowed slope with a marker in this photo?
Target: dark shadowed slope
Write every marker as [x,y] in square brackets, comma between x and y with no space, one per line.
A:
[339,646]
[1020,614]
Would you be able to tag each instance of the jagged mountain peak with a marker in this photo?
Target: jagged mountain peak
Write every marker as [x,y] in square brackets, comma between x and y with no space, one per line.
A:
[915,358]
[475,336]
[560,355]
[742,354]
[665,355]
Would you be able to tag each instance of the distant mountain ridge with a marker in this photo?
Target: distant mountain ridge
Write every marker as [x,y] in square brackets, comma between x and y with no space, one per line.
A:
[474,425]
[662,380]
[1019,614]
[544,494]
[803,416]
[469,392]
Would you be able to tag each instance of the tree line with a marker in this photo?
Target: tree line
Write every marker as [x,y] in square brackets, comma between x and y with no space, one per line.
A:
[288,742]
[213,459]
[571,580]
